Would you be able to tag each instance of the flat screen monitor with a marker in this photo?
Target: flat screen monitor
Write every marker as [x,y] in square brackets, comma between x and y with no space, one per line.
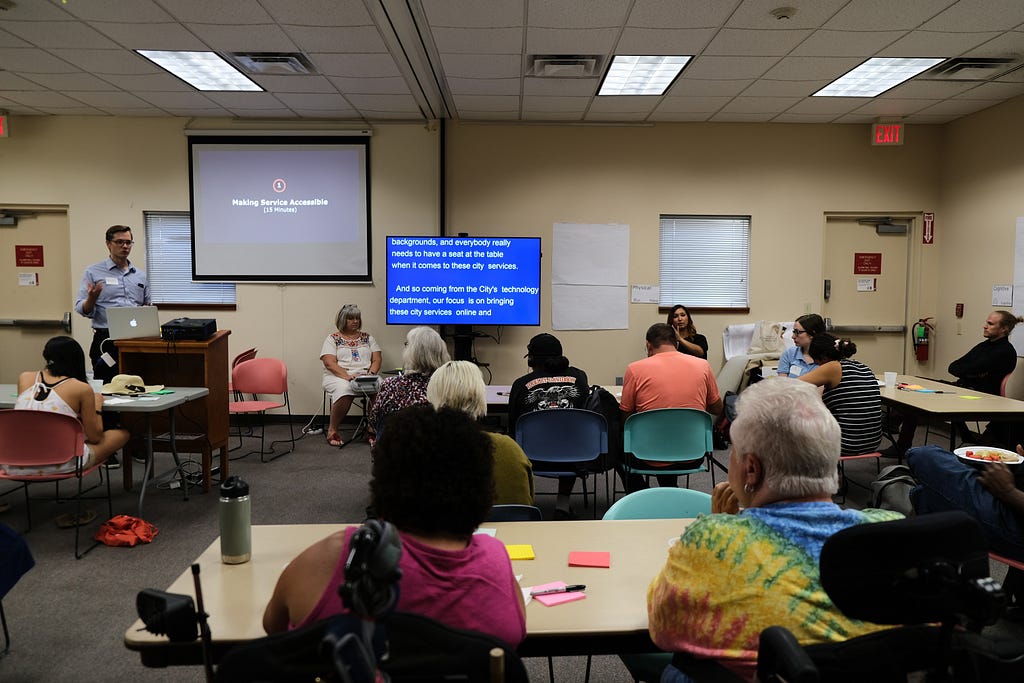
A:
[463,280]
[280,208]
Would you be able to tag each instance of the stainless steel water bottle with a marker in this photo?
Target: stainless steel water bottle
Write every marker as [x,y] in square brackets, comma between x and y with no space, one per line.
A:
[235,512]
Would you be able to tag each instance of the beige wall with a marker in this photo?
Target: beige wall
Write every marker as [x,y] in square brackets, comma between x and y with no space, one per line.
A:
[519,180]
[109,171]
[982,192]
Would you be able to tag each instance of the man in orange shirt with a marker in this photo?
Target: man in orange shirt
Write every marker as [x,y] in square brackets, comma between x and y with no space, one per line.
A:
[667,379]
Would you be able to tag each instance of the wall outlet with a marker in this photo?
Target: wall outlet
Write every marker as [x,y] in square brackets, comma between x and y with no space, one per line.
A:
[959,328]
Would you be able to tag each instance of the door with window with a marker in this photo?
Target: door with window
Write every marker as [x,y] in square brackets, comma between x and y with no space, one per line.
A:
[35,290]
[865,286]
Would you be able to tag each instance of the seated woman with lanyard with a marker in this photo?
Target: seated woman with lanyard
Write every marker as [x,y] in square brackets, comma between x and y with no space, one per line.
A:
[432,473]
[795,360]
[61,387]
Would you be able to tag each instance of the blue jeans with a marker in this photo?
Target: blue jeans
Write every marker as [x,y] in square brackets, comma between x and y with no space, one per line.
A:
[945,483]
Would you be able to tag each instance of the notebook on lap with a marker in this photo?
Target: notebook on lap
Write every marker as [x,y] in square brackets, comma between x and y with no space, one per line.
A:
[132,322]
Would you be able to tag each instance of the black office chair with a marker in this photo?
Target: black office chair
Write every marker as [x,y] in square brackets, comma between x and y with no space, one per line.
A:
[929,574]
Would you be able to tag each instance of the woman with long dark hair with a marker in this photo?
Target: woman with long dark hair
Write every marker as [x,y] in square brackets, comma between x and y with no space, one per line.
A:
[687,339]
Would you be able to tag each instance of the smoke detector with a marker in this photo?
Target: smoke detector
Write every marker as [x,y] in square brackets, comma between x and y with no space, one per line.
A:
[783,13]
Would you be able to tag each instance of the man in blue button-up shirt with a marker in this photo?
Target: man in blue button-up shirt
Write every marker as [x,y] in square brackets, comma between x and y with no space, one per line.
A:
[110,283]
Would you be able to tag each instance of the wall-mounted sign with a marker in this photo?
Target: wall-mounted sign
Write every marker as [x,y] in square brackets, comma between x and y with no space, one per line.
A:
[867,284]
[865,263]
[887,134]
[28,255]
[928,234]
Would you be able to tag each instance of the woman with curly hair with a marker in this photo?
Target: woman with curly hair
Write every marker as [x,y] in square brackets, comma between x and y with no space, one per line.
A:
[432,474]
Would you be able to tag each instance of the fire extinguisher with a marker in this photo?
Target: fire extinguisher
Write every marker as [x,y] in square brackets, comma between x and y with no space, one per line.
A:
[921,331]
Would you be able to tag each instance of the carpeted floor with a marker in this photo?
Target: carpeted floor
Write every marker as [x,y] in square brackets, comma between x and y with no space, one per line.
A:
[67,618]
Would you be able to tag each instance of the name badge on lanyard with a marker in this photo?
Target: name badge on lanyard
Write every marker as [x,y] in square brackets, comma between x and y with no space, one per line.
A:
[111,281]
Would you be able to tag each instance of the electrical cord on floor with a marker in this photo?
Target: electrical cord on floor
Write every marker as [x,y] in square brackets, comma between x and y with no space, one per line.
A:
[193,471]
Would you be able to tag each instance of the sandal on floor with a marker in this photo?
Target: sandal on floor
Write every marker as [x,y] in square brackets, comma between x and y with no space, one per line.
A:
[335,440]
[69,521]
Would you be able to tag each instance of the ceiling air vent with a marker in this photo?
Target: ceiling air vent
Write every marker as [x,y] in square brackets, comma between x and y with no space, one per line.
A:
[971,68]
[564,66]
[273,63]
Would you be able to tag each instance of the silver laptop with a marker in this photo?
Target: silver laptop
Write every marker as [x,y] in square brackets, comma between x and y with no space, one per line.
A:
[132,322]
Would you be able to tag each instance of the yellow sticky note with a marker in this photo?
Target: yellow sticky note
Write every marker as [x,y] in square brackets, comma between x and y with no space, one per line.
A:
[520,552]
[971,398]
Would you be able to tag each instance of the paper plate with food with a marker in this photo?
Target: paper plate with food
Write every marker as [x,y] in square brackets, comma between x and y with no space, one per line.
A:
[981,454]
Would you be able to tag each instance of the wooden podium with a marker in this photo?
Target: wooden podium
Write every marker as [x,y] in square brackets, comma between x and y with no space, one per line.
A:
[202,426]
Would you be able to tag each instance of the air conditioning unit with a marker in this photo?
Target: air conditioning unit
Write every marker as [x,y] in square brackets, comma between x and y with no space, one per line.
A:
[564,66]
[273,63]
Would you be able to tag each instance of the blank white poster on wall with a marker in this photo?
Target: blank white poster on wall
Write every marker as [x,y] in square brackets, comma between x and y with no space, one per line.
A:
[1017,336]
[589,276]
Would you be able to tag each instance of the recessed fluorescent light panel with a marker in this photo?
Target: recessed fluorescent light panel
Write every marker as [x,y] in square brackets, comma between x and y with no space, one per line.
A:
[642,75]
[201,70]
[875,76]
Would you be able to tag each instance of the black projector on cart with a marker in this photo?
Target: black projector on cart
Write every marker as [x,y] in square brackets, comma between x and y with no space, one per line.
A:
[188,329]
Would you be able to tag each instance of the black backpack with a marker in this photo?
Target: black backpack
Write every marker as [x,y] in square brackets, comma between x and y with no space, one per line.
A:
[601,401]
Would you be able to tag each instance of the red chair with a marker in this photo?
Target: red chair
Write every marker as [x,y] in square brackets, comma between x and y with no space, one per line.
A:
[30,438]
[248,354]
[262,376]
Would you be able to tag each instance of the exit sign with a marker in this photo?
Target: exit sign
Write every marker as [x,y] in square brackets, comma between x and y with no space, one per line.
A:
[887,134]
[4,130]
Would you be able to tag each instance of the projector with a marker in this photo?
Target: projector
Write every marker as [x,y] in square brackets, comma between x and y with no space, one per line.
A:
[188,329]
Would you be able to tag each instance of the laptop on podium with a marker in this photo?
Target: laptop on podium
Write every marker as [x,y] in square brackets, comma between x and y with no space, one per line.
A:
[133,322]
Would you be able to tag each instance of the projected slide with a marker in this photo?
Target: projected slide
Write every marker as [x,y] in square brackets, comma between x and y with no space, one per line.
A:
[463,280]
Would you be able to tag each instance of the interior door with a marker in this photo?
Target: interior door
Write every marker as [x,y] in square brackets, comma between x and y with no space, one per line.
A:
[33,297]
[865,289]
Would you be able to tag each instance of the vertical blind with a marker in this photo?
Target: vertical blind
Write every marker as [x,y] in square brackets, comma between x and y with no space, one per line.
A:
[169,263]
[705,261]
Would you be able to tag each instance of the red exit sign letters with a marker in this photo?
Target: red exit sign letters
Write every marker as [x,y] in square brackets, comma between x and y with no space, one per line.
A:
[887,134]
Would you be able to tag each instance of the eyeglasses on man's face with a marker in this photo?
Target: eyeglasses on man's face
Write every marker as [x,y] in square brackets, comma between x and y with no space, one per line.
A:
[123,243]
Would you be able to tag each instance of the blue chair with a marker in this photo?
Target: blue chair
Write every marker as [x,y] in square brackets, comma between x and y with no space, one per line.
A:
[659,503]
[674,436]
[571,438]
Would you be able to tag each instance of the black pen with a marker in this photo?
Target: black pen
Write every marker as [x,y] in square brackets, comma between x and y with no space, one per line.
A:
[575,588]
[502,393]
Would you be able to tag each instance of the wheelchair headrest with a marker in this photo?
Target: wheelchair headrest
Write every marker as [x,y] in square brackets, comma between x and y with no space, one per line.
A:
[371,570]
[929,568]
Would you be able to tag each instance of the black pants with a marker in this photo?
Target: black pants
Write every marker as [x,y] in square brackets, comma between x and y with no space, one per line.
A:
[101,370]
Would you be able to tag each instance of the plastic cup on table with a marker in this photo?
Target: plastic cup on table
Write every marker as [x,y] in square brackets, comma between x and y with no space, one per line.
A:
[890,380]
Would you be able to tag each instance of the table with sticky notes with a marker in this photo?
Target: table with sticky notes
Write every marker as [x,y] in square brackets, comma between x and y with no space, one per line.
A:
[936,400]
[613,560]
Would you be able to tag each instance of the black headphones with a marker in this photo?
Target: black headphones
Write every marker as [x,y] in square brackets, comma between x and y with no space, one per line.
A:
[371,570]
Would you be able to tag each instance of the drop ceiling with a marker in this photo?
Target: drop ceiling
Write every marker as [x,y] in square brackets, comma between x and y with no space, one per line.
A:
[420,60]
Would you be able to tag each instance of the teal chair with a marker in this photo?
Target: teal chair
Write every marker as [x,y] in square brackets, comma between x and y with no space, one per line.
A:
[679,437]
[659,503]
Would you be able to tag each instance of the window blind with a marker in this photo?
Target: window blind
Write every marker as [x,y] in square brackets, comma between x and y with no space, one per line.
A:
[169,263]
[705,261]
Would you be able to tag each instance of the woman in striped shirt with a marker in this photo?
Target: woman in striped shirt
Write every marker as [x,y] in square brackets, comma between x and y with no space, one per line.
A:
[850,392]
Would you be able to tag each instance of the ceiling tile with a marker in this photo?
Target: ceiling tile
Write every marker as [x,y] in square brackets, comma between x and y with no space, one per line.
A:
[161,82]
[487,103]
[727,68]
[35,11]
[1005,45]
[11,81]
[33,61]
[242,38]
[474,14]
[72,111]
[318,12]
[470,115]
[197,112]
[231,13]
[535,105]
[129,111]
[244,100]
[57,34]
[879,15]
[832,106]
[935,44]
[541,115]
[811,68]
[755,43]
[480,41]
[279,113]
[483,86]
[561,86]
[314,101]
[789,117]
[759,105]
[11,40]
[689,105]
[399,103]
[295,83]
[735,117]
[756,14]
[925,120]
[928,90]
[482,66]
[670,117]
[957,107]
[676,14]
[374,86]
[616,116]
[353,39]
[65,82]
[355,65]
[993,91]
[654,41]
[977,15]
[178,100]
[134,11]
[593,14]
[698,87]
[765,87]
[346,113]
[894,107]
[105,100]
[43,99]
[625,103]
[108,61]
[840,44]
[164,36]
[546,41]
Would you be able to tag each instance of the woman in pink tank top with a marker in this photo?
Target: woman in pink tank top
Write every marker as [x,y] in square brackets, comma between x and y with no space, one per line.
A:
[432,479]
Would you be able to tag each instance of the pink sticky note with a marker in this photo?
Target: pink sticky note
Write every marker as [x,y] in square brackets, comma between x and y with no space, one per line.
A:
[555,598]
[579,558]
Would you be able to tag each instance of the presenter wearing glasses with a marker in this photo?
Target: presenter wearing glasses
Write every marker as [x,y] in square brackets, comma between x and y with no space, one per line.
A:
[111,283]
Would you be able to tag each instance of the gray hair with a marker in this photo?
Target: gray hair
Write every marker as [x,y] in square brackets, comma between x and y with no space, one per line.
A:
[346,313]
[458,384]
[424,352]
[784,423]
